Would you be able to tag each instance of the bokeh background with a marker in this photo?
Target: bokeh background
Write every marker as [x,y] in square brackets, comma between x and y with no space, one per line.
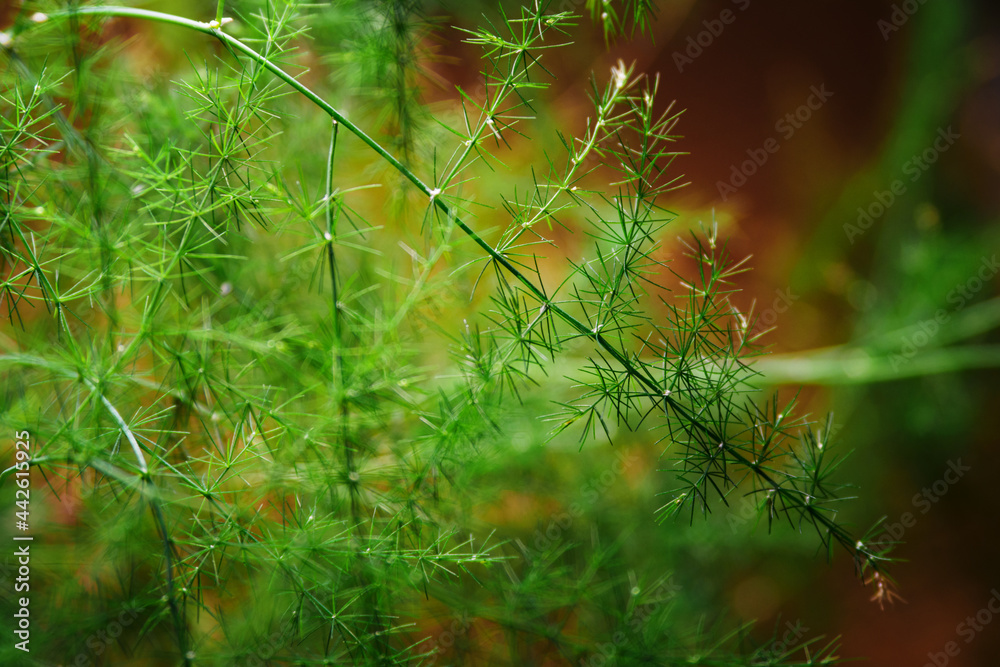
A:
[851,325]
[898,77]
[894,87]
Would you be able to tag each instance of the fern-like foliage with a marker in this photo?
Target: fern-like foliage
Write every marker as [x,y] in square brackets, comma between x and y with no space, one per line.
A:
[230,353]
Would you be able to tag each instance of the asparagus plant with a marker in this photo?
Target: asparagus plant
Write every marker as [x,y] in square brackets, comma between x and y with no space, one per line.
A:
[273,320]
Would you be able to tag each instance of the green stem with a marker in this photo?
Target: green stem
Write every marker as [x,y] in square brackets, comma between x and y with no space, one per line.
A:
[338,336]
[126,431]
[657,394]
[175,611]
[331,254]
[160,522]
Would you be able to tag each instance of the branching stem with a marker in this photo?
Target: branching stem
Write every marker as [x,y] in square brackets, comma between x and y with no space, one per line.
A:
[656,392]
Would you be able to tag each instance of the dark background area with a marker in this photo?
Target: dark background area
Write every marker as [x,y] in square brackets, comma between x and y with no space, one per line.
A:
[941,68]
[893,91]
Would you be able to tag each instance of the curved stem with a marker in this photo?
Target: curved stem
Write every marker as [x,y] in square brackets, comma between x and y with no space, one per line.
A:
[213,28]
[123,427]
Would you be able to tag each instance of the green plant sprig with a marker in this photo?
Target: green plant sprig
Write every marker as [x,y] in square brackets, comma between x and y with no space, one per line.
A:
[690,422]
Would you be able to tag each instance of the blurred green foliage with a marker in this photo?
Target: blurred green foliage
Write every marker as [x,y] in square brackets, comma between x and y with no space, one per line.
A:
[285,396]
